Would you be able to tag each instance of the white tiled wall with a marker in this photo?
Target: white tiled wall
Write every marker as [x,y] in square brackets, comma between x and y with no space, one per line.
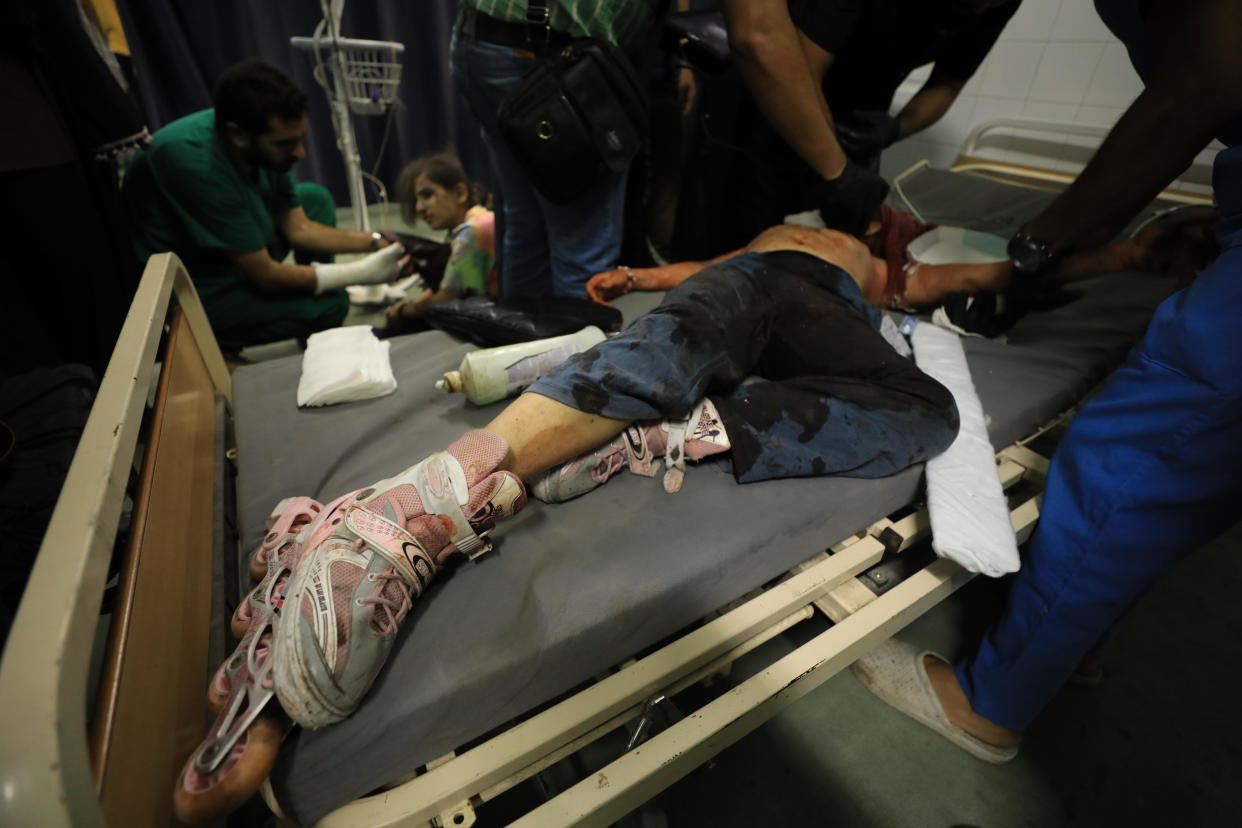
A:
[1054,61]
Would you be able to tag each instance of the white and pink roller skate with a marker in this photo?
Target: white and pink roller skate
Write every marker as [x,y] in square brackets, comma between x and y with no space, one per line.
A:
[371,556]
[241,747]
[338,581]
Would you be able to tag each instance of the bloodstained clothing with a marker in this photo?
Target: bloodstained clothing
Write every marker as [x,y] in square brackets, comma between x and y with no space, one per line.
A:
[831,395]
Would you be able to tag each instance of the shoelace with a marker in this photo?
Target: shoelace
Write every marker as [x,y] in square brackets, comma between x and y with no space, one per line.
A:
[609,465]
[386,623]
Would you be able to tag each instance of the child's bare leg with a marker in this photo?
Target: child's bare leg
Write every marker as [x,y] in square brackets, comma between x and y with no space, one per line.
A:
[542,433]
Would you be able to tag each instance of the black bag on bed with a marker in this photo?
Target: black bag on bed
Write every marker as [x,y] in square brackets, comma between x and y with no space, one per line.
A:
[487,322]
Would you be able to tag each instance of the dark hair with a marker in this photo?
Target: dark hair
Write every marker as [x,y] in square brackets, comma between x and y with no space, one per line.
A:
[443,169]
[252,92]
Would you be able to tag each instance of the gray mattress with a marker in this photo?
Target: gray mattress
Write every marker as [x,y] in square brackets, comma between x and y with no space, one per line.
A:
[575,588]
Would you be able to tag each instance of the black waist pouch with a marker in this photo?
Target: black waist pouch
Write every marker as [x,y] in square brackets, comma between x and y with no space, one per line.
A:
[576,118]
[487,322]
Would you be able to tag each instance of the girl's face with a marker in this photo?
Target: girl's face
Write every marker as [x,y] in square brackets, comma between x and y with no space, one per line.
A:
[442,209]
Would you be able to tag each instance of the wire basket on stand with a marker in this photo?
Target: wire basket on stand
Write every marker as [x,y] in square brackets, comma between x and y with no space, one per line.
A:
[359,76]
[372,74]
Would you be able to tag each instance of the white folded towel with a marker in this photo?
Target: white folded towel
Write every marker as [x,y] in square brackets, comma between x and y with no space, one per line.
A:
[344,364]
[969,514]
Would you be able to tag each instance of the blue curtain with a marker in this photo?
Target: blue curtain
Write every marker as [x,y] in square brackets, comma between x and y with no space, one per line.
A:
[180,46]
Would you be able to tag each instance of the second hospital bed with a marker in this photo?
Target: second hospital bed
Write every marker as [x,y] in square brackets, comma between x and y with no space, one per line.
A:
[491,678]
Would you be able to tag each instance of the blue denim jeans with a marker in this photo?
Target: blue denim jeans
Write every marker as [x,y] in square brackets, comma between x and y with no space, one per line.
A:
[834,397]
[548,249]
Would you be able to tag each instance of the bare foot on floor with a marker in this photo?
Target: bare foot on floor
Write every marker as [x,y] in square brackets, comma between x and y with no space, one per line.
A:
[957,707]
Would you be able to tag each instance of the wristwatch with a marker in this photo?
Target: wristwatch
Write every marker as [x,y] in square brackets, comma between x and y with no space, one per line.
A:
[376,238]
[1029,254]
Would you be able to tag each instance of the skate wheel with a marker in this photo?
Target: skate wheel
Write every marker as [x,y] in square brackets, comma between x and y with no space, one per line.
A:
[219,688]
[258,565]
[201,798]
[240,622]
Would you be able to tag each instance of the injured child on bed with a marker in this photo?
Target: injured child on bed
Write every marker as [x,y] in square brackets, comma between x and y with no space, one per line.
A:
[796,308]
[975,297]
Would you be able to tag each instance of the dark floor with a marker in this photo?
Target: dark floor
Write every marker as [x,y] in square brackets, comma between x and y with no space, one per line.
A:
[1159,742]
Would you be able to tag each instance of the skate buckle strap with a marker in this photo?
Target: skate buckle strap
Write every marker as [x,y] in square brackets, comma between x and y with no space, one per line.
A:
[441,484]
[675,453]
[637,451]
[395,544]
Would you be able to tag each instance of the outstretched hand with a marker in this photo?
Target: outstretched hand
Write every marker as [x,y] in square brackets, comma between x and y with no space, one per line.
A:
[608,285]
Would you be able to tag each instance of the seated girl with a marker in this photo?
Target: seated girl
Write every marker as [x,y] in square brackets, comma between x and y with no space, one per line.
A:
[435,188]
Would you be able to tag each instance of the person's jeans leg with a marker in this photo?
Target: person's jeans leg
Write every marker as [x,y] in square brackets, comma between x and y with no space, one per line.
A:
[484,73]
[526,258]
[585,235]
[1146,474]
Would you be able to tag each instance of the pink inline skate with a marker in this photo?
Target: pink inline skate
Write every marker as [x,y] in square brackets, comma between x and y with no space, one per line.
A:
[241,747]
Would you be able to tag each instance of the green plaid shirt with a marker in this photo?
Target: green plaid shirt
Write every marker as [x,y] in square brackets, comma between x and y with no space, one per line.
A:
[617,21]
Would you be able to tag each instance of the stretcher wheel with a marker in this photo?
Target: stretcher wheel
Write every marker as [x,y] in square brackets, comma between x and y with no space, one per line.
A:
[201,798]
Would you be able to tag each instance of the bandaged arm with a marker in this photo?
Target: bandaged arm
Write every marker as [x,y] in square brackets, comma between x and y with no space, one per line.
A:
[381,266]
[275,277]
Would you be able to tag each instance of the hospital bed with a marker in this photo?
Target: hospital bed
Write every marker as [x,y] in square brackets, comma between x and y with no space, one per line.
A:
[584,614]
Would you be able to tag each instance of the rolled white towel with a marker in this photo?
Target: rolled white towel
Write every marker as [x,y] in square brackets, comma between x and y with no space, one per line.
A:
[965,501]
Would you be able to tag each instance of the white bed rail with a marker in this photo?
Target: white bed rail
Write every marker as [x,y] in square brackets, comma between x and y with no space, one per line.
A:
[971,145]
[1193,186]
[45,770]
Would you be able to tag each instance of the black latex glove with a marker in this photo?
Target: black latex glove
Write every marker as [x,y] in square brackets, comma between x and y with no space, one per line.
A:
[852,200]
[864,133]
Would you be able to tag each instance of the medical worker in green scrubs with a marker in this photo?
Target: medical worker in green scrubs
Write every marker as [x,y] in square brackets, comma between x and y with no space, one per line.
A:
[215,188]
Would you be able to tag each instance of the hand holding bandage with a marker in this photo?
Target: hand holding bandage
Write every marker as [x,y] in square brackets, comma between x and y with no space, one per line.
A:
[384,265]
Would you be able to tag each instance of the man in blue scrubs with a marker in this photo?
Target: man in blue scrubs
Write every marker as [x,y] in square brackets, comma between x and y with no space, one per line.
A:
[1151,469]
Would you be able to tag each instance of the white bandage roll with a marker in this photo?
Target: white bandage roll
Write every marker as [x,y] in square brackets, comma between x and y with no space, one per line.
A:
[380,266]
[965,501]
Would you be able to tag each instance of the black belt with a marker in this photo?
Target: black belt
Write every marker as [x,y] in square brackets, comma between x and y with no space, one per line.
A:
[509,33]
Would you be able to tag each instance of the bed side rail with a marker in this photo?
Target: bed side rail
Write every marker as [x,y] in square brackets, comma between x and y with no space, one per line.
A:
[45,768]
[1055,152]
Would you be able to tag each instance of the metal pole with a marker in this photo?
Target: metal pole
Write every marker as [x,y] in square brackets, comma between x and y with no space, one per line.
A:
[342,125]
